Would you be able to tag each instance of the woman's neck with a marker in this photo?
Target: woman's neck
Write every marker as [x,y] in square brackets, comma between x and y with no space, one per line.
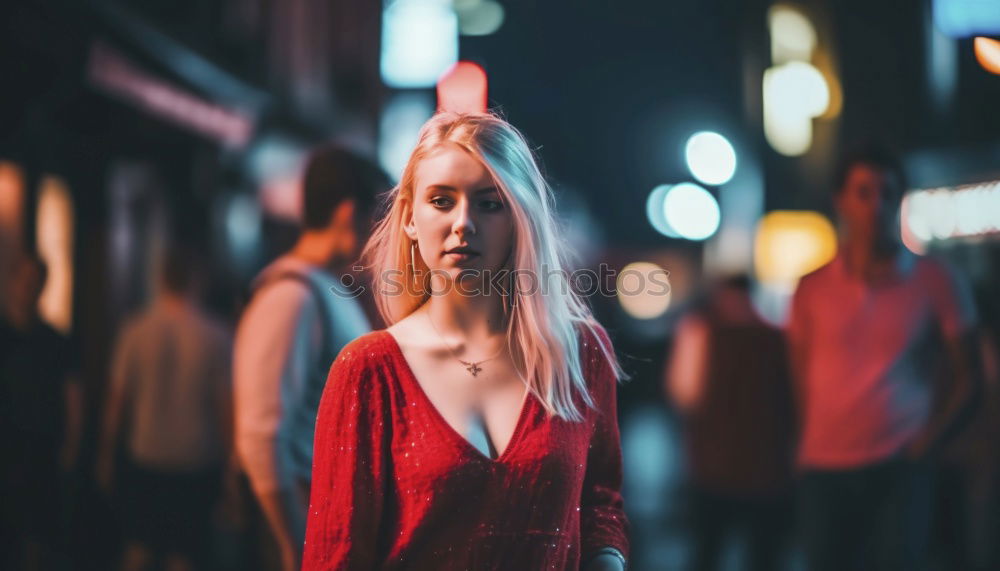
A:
[473,317]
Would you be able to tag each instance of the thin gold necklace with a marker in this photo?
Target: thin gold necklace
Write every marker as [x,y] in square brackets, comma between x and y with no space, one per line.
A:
[471,366]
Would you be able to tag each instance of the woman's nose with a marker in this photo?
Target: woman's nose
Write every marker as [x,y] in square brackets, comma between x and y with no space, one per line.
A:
[463,223]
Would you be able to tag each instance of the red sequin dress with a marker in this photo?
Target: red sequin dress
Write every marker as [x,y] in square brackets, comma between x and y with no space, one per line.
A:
[396,487]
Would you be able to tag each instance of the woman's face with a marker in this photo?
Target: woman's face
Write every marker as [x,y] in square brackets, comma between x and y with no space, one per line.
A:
[459,219]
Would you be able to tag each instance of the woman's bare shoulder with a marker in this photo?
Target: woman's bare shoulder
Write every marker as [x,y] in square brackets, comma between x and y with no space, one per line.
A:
[412,333]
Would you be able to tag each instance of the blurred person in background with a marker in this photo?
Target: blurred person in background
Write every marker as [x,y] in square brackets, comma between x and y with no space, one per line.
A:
[968,483]
[40,421]
[885,366]
[169,404]
[298,319]
[728,379]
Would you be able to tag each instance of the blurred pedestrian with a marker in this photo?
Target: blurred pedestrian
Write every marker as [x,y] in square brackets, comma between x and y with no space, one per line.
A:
[728,378]
[300,316]
[169,403]
[884,358]
[968,484]
[40,421]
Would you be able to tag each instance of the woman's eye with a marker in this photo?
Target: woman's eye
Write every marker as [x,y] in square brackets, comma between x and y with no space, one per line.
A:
[440,201]
[492,205]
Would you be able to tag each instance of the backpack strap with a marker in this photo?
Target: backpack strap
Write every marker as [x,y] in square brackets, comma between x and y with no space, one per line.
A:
[317,293]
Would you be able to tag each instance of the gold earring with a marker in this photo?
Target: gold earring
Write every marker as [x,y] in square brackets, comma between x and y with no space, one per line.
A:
[413,263]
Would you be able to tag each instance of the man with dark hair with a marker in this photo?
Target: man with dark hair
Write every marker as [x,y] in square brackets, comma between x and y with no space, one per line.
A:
[299,318]
[873,155]
[885,369]
[877,175]
[332,176]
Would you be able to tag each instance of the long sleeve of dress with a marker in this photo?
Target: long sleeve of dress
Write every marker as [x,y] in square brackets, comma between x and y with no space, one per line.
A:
[602,515]
[350,467]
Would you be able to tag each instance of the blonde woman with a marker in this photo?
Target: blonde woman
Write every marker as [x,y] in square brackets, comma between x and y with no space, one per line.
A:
[478,431]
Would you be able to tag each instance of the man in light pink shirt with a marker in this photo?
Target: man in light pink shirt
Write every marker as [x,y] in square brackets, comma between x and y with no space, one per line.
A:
[882,353]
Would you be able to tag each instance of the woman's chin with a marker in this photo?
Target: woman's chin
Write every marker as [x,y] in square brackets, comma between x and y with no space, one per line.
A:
[464,277]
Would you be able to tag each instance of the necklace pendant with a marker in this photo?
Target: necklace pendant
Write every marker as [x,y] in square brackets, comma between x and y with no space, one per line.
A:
[473,368]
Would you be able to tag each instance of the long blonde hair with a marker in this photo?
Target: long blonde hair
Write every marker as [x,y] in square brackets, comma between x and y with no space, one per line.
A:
[543,332]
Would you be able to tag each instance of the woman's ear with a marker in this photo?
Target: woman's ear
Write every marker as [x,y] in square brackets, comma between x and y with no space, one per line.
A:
[408,226]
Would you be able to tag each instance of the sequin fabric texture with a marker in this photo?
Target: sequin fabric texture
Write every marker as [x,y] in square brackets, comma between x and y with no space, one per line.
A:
[396,487]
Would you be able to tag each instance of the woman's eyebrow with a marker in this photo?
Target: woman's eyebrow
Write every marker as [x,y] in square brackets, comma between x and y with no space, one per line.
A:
[449,188]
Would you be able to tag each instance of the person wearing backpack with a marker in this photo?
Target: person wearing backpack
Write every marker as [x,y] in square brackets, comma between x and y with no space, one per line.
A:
[299,317]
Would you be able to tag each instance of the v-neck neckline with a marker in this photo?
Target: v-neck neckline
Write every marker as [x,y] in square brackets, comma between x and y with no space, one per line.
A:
[411,376]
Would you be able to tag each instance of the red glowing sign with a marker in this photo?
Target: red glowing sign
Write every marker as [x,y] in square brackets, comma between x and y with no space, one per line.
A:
[462,89]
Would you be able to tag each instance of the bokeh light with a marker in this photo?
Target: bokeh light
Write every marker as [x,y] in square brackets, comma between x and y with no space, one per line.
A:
[276,163]
[54,223]
[11,198]
[797,89]
[794,93]
[402,117]
[790,244]
[946,213]
[463,88]
[792,35]
[988,54]
[964,18]
[683,210]
[644,290]
[479,17]
[655,211]
[243,225]
[710,158]
[419,42]
[691,211]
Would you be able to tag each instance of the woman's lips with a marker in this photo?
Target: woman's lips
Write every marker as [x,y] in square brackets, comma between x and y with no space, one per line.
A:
[461,256]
